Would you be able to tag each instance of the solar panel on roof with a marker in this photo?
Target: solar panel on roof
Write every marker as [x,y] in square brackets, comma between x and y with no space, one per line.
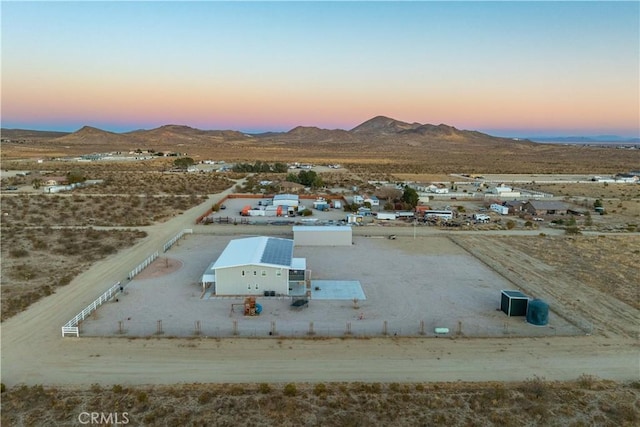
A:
[277,251]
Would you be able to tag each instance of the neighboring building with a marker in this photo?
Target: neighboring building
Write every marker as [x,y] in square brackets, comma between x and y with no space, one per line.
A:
[254,265]
[55,180]
[503,191]
[543,207]
[502,210]
[515,206]
[292,187]
[286,200]
[322,236]
[358,199]
[372,200]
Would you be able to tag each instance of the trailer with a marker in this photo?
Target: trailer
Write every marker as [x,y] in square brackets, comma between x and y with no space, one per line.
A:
[502,210]
[386,216]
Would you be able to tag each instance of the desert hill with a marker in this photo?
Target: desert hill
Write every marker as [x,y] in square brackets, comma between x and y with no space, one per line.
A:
[90,135]
[409,147]
[383,125]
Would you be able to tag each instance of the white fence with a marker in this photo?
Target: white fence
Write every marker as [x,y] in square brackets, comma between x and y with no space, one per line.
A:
[71,327]
[143,265]
[171,242]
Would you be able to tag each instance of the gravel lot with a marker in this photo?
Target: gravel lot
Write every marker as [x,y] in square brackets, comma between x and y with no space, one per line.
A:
[406,282]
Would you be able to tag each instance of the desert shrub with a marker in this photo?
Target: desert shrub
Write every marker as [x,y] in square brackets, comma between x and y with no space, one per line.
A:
[535,387]
[586,381]
[107,250]
[117,388]
[511,224]
[290,390]
[319,389]
[142,397]
[264,388]
[572,230]
[19,253]
[205,397]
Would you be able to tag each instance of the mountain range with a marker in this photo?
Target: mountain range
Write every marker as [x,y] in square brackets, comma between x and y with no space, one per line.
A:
[377,130]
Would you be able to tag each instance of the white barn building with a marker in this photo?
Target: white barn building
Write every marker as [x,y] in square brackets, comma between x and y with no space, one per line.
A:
[253,265]
[286,200]
[322,235]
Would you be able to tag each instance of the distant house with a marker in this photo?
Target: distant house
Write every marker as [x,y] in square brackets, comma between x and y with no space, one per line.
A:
[55,180]
[292,187]
[372,200]
[515,206]
[544,207]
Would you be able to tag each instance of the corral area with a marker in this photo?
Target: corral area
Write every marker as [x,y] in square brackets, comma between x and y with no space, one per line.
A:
[411,286]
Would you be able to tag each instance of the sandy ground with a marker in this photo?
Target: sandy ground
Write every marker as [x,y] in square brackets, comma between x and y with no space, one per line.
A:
[413,285]
[33,351]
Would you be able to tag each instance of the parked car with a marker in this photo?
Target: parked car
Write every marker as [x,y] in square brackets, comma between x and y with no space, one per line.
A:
[11,188]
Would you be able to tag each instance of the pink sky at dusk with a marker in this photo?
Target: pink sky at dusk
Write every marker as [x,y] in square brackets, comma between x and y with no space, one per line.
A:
[516,68]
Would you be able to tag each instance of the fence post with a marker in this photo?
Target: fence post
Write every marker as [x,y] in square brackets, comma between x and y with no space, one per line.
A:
[384,328]
[311,332]
[422,327]
[273,328]
[159,327]
[348,330]
[235,327]
[120,327]
[198,331]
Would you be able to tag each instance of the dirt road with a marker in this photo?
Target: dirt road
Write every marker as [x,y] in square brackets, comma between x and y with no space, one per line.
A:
[33,352]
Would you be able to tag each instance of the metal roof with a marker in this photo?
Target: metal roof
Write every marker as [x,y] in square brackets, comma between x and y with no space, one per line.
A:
[268,251]
[286,197]
[514,294]
[548,205]
[297,228]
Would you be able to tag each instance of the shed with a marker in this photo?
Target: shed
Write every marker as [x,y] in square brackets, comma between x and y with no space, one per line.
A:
[514,303]
[318,235]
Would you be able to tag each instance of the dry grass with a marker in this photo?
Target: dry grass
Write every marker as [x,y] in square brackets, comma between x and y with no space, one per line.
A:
[36,261]
[587,401]
[606,263]
[73,209]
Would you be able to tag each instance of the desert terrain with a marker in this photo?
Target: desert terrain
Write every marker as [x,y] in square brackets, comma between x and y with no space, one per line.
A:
[585,379]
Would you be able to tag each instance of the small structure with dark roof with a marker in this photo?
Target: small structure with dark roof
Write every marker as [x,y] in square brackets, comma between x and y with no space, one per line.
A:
[546,207]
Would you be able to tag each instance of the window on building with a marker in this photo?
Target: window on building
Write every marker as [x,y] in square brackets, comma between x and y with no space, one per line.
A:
[278,273]
[249,287]
[255,273]
[242,272]
[264,273]
[256,286]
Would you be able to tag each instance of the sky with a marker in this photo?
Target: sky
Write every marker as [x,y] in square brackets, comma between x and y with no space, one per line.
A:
[505,68]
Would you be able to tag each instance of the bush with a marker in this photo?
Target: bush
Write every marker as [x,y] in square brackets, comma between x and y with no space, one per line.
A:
[290,390]
[572,230]
[320,389]
[511,224]
[19,253]
[264,388]
[117,388]
[205,397]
